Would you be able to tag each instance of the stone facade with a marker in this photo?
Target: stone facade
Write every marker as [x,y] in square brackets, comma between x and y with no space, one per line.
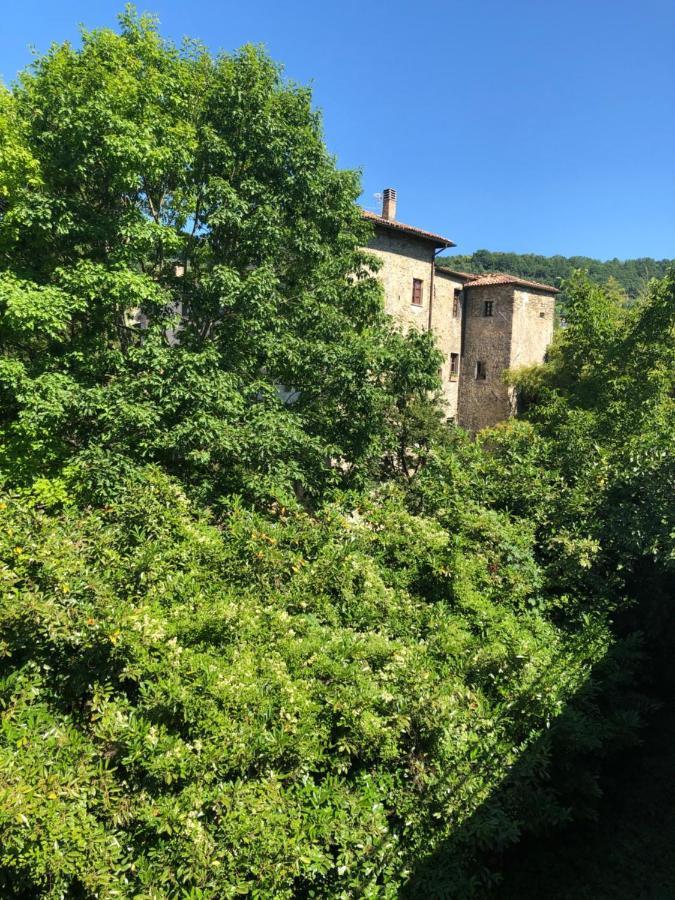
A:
[406,259]
[483,324]
[507,325]
[533,315]
[446,322]
[483,398]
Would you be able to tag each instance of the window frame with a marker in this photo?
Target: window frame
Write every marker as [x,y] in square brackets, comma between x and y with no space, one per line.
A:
[488,309]
[481,370]
[417,285]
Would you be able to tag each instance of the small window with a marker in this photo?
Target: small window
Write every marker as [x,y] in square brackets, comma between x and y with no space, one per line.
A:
[417,292]
[542,315]
[481,370]
[454,363]
[456,303]
[488,306]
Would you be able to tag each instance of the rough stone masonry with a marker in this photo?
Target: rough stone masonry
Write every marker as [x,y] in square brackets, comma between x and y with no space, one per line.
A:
[484,324]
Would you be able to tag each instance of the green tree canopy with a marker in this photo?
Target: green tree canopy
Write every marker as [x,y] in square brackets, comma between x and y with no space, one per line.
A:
[180,273]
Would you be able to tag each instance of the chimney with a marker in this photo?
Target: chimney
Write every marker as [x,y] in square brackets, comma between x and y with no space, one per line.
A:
[389,203]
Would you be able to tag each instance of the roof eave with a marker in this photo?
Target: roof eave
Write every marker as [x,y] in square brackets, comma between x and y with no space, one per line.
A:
[402,228]
[453,273]
[544,288]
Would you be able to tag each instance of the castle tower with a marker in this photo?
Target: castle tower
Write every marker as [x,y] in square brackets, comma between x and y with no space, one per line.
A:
[507,323]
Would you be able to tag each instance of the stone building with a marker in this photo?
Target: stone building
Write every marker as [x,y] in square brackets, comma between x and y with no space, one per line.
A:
[483,324]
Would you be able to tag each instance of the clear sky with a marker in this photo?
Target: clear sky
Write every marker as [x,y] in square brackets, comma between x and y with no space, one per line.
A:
[536,126]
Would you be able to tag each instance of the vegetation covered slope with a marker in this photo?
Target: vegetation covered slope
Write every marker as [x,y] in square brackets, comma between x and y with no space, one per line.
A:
[268,627]
[632,275]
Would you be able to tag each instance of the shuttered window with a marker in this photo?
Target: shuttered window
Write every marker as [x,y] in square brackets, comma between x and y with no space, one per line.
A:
[456,303]
[488,307]
[417,292]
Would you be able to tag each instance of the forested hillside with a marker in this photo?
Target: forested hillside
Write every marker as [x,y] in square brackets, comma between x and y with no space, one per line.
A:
[301,643]
[631,274]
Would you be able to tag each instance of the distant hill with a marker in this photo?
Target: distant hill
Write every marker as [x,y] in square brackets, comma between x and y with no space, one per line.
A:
[631,274]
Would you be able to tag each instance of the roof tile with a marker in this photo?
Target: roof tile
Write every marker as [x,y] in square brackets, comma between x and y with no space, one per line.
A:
[457,273]
[501,278]
[437,239]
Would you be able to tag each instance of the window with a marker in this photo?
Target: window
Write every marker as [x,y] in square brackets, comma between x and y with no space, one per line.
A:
[481,371]
[488,307]
[454,364]
[417,292]
[456,301]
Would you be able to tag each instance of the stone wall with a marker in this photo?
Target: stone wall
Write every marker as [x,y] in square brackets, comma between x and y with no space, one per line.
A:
[404,258]
[448,330]
[532,327]
[487,339]
[517,333]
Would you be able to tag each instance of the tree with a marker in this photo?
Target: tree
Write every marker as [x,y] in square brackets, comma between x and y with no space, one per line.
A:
[180,275]
[605,405]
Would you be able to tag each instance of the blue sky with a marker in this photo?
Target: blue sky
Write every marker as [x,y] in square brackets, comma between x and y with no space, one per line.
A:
[530,125]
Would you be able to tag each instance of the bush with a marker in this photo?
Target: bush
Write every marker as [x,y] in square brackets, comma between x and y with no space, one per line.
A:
[277,706]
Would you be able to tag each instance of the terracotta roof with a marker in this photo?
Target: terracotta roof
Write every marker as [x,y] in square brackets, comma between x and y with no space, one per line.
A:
[500,278]
[436,239]
[463,276]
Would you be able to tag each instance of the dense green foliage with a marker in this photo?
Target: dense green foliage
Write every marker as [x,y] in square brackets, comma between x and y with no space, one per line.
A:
[128,157]
[267,707]
[267,626]
[632,275]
